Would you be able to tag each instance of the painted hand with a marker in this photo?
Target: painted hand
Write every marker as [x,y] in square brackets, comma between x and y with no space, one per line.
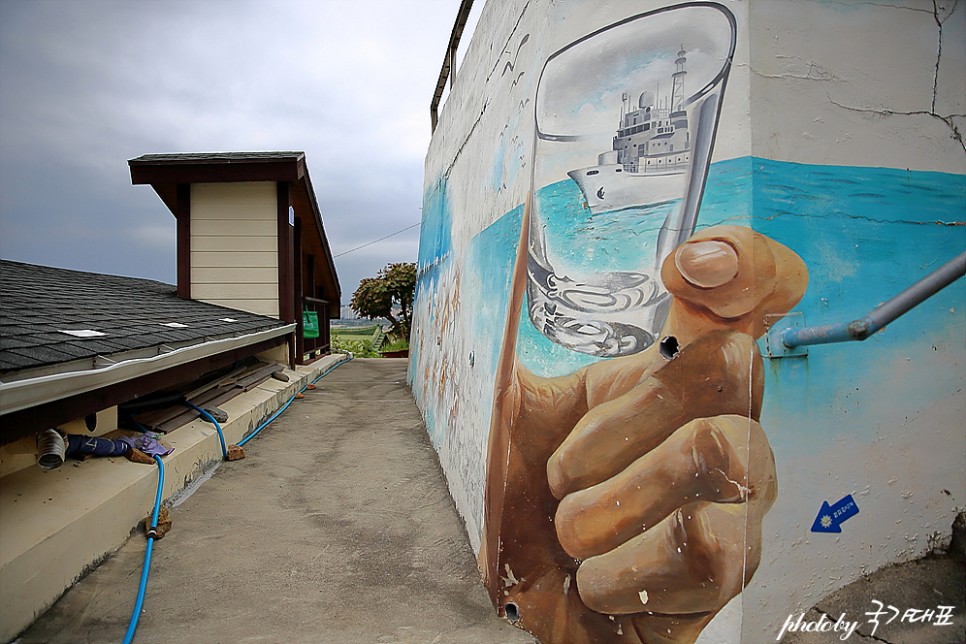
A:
[624,501]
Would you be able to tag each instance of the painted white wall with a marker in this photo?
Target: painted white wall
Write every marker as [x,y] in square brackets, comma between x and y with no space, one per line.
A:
[234,245]
[879,85]
[876,84]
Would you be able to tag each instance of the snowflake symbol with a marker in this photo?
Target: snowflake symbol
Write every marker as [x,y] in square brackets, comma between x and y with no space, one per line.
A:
[826,521]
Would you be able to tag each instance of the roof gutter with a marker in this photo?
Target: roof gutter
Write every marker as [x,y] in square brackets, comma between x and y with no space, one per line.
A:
[31,392]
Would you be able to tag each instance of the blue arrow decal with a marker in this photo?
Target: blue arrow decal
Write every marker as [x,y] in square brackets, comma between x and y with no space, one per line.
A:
[830,518]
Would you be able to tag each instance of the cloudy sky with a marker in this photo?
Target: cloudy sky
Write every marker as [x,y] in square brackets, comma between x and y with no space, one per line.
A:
[86,85]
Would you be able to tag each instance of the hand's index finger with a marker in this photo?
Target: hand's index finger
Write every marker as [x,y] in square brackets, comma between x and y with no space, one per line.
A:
[717,374]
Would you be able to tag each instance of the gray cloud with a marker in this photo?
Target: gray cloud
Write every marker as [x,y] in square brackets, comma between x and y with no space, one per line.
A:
[85,86]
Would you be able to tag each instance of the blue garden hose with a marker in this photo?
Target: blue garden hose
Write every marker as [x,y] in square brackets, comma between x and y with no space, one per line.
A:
[152,530]
[285,406]
[211,419]
[152,533]
[278,412]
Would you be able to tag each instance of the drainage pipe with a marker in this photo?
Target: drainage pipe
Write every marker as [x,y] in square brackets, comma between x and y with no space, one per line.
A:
[152,532]
[51,449]
[881,315]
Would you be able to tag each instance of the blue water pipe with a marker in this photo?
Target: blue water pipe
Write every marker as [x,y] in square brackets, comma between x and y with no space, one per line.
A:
[881,315]
[285,406]
[152,530]
[152,534]
[211,419]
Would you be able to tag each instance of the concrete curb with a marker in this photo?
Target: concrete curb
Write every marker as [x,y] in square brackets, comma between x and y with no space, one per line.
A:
[58,525]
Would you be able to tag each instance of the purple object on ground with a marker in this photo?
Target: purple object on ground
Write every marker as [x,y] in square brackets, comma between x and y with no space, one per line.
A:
[147,444]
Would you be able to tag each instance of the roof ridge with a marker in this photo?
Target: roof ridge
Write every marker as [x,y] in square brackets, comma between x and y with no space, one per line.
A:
[10,263]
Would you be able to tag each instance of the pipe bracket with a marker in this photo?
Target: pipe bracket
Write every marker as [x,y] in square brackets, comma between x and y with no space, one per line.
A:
[774,347]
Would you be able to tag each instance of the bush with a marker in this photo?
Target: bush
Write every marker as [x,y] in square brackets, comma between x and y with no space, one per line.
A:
[395,345]
[358,348]
[388,294]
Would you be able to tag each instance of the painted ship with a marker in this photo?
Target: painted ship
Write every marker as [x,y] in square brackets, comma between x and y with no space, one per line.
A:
[651,152]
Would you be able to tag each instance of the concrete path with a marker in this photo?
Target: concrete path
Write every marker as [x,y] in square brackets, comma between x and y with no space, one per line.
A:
[336,528]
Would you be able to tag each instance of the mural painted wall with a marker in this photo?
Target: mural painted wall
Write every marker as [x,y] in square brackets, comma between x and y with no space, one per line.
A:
[621,198]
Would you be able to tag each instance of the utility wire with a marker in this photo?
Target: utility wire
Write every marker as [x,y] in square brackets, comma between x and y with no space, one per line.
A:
[376,241]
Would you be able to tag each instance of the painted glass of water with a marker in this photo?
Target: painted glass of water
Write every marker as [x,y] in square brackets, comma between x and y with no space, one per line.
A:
[625,124]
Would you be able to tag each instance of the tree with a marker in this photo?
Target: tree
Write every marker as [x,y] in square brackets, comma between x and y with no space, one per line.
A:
[380,297]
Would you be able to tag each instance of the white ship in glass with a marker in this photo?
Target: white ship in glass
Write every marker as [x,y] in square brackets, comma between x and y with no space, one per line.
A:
[651,152]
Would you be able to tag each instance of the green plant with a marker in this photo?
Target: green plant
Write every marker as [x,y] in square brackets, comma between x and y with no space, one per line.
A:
[356,332]
[395,345]
[358,348]
[379,296]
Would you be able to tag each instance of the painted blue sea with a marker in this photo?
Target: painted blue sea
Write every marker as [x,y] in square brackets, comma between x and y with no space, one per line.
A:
[583,242]
[864,233]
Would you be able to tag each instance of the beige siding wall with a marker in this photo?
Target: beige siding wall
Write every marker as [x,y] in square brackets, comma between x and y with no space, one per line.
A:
[234,245]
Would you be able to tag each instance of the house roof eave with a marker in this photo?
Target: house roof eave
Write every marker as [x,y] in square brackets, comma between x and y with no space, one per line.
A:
[164,172]
[30,392]
[335,289]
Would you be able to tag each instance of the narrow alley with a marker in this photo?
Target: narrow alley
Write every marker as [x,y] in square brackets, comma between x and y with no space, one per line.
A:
[337,527]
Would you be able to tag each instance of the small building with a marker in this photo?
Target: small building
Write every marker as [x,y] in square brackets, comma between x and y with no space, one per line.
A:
[250,235]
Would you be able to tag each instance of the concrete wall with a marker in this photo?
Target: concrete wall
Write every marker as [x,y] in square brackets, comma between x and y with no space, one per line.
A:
[234,245]
[836,178]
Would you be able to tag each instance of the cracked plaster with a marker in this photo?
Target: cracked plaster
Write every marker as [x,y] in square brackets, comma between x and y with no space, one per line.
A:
[901,105]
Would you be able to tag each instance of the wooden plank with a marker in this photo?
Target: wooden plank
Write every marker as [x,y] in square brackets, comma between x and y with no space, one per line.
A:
[165,173]
[233,259]
[212,394]
[258,307]
[242,291]
[287,306]
[224,275]
[155,417]
[240,190]
[235,243]
[183,216]
[225,210]
[241,200]
[235,227]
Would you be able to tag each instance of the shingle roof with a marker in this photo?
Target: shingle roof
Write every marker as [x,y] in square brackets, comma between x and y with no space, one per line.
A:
[218,157]
[39,303]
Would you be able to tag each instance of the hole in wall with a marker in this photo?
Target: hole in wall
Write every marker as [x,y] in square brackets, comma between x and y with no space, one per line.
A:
[512,612]
[669,347]
[90,422]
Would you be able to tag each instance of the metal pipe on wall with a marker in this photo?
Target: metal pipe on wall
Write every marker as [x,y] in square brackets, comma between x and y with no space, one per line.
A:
[881,315]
